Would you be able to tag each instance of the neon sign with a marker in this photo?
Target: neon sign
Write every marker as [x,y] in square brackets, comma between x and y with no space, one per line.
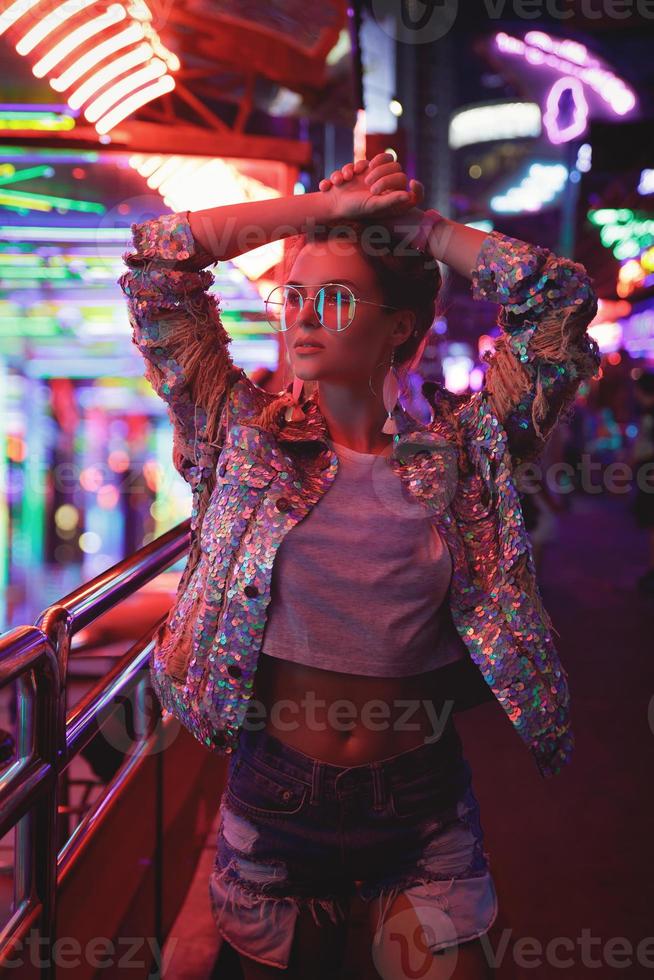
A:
[578,69]
[541,185]
[574,90]
[139,65]
[508,120]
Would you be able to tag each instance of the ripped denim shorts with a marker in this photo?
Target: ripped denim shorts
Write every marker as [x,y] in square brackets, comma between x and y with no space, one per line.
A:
[297,833]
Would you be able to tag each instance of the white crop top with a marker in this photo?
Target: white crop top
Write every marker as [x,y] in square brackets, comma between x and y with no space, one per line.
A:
[360,584]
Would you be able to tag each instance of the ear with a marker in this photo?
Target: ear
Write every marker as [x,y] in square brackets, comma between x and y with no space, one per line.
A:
[404,326]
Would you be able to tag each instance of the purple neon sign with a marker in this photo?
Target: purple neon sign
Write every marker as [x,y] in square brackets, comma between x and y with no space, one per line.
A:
[573,61]
[565,90]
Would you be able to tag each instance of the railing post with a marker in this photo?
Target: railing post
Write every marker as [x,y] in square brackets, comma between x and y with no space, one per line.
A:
[36,659]
[56,624]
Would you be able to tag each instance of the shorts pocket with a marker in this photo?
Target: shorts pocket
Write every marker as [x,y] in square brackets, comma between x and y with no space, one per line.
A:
[263,795]
[431,794]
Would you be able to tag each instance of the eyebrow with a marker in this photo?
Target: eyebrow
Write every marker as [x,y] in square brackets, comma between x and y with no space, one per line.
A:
[344,282]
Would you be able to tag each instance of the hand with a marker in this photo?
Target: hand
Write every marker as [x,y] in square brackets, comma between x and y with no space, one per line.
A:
[377,188]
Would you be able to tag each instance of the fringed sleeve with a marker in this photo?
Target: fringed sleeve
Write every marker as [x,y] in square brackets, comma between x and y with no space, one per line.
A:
[544,352]
[177,328]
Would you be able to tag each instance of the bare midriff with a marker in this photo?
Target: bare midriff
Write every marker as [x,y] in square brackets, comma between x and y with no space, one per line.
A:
[345,719]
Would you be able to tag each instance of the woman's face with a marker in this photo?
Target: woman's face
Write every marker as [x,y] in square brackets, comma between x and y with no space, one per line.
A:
[352,355]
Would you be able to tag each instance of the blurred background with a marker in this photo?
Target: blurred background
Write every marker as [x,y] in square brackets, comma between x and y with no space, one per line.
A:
[533,119]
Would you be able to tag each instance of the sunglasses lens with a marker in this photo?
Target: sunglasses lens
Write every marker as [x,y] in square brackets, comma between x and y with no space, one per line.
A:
[282,307]
[335,307]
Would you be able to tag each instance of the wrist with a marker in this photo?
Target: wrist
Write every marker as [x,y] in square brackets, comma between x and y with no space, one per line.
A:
[320,206]
[438,234]
[427,221]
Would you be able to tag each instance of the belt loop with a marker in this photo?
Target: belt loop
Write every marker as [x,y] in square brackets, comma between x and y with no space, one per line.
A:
[379,785]
[317,781]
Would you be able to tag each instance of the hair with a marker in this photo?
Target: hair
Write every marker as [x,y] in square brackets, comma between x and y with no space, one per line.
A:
[407,279]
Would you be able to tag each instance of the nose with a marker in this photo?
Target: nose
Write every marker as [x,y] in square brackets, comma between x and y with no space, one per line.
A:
[307,314]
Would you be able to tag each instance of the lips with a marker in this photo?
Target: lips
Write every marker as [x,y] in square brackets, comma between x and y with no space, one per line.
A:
[306,343]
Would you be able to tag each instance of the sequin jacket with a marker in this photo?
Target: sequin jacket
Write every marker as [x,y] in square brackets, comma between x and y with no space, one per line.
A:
[252,484]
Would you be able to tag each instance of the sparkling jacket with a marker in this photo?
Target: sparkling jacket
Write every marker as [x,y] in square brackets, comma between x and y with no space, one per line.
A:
[251,484]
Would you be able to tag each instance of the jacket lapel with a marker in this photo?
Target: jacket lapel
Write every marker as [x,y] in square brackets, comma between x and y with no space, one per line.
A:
[422,456]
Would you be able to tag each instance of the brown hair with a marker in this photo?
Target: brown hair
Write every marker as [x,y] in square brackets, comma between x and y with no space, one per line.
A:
[408,279]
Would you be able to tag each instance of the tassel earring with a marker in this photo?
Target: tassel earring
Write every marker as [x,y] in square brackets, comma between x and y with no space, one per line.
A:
[390,394]
[295,412]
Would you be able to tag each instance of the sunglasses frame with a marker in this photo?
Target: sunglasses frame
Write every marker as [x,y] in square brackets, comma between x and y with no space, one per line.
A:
[323,285]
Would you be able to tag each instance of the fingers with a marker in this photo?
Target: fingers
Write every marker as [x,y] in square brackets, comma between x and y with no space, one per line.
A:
[374,173]
[325,184]
[392,182]
[380,159]
[418,191]
[387,202]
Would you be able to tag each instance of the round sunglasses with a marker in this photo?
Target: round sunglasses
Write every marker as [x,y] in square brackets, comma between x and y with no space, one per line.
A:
[334,305]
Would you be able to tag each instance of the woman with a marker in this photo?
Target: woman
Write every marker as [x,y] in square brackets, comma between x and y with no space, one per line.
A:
[348,559]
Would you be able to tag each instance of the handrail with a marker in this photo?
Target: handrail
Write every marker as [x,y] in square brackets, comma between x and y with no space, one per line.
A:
[48,739]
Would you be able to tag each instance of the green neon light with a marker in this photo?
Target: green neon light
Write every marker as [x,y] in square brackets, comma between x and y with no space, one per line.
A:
[28,174]
[35,273]
[621,230]
[605,216]
[48,201]
[92,156]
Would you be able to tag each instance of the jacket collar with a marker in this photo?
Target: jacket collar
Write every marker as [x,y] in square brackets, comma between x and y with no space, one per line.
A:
[313,427]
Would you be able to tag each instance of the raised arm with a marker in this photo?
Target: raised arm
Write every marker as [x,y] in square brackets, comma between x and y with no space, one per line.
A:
[544,351]
[175,320]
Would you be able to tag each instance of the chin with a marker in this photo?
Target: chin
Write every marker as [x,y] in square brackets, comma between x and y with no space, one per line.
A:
[308,372]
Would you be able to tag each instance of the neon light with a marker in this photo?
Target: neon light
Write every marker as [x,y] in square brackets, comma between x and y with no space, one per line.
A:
[12,176]
[541,185]
[113,15]
[623,231]
[646,184]
[129,36]
[43,121]
[18,9]
[562,134]
[45,202]
[155,69]
[570,50]
[607,334]
[50,23]
[10,233]
[541,50]
[456,371]
[101,78]
[114,105]
[197,182]
[638,333]
[584,158]
[134,102]
[510,120]
[604,216]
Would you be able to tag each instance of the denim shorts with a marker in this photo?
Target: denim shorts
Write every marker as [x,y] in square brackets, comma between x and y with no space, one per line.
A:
[297,833]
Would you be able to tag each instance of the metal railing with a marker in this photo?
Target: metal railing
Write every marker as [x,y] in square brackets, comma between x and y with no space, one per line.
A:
[48,738]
